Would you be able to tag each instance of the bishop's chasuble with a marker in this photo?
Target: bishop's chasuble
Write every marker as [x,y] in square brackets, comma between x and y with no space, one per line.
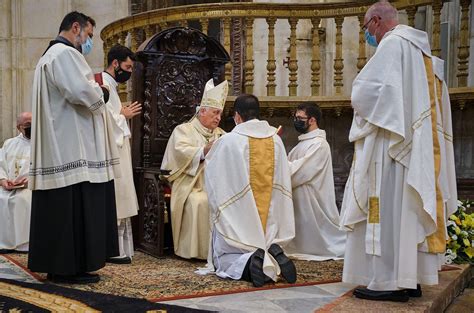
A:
[317,235]
[15,205]
[189,207]
[249,189]
[402,181]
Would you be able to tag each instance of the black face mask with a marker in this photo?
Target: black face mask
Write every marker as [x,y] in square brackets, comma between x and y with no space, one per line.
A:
[27,132]
[301,126]
[121,76]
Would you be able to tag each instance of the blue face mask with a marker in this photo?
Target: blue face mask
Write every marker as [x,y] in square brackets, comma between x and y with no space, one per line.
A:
[371,39]
[87,46]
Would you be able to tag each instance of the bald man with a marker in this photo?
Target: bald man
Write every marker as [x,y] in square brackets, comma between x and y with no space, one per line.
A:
[402,177]
[15,198]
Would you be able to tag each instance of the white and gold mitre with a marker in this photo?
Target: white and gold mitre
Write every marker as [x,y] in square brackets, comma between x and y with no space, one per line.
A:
[214,96]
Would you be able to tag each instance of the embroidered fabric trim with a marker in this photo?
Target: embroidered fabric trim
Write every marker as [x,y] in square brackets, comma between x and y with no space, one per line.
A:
[73,165]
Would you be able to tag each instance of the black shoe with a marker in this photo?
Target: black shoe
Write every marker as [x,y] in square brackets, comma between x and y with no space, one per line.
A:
[83,278]
[414,293]
[124,260]
[7,251]
[288,269]
[256,268]
[395,295]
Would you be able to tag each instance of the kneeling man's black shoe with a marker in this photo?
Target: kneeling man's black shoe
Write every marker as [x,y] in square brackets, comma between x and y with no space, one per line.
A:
[288,269]
[389,295]
[415,293]
[256,268]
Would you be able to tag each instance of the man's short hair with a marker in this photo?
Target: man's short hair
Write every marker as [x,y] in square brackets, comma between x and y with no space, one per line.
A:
[91,20]
[119,53]
[247,106]
[312,110]
[72,18]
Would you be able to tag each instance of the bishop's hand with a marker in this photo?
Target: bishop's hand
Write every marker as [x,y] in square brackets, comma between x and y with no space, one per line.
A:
[208,147]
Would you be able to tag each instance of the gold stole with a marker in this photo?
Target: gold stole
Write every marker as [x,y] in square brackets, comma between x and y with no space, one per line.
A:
[262,168]
[437,240]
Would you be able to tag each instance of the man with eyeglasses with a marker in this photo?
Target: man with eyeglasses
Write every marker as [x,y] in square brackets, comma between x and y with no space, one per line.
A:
[402,177]
[317,236]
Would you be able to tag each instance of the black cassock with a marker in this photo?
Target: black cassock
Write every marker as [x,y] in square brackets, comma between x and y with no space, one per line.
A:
[73,229]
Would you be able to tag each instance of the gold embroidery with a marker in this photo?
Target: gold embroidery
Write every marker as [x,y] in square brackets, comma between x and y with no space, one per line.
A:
[374,210]
[262,163]
[234,198]
[283,190]
[436,241]
[44,300]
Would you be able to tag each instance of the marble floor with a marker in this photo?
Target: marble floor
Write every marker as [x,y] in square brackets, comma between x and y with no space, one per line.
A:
[325,297]
[295,299]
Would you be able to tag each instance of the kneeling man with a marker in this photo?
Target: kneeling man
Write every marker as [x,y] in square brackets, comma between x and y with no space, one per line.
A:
[318,237]
[15,197]
[249,190]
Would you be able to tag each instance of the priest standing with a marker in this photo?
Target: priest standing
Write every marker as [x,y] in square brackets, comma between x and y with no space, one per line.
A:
[252,215]
[120,65]
[402,178]
[73,159]
[185,152]
[317,236]
[15,197]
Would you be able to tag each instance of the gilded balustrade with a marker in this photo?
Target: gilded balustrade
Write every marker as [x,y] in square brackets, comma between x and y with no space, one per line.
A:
[134,29]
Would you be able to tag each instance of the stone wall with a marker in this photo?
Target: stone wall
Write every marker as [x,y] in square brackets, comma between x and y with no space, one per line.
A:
[26,27]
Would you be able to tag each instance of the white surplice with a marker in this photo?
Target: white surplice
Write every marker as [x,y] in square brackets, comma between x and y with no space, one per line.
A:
[125,195]
[317,235]
[189,207]
[15,205]
[71,140]
[390,205]
[235,218]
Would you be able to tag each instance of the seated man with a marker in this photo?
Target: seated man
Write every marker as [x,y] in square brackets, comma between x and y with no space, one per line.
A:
[316,216]
[15,197]
[187,147]
[249,189]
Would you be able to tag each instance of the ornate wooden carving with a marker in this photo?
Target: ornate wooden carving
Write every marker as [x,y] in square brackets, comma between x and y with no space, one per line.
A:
[204,25]
[435,46]
[249,67]
[338,60]
[362,59]
[271,63]
[293,63]
[174,66]
[463,52]
[411,11]
[147,110]
[228,66]
[316,60]
[151,211]
[237,56]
